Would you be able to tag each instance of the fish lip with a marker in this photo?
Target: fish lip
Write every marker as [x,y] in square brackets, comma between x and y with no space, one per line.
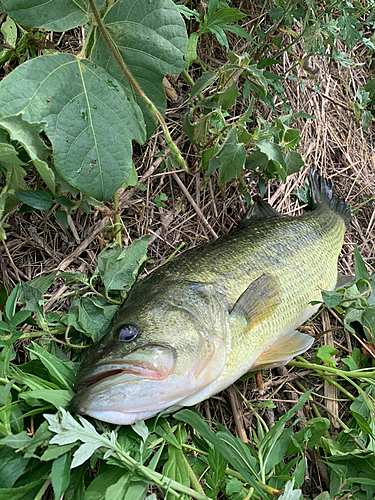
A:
[141,370]
[138,368]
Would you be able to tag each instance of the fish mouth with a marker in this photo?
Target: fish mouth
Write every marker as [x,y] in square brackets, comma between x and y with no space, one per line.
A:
[148,362]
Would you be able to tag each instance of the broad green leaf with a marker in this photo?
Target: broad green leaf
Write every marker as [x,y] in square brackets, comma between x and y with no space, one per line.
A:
[27,135]
[331,299]
[274,154]
[232,157]
[368,319]
[274,445]
[95,315]
[366,121]
[89,118]
[152,39]
[132,179]
[227,97]
[12,465]
[60,474]
[325,354]
[294,162]
[218,465]
[40,200]
[118,268]
[48,14]
[19,318]
[316,428]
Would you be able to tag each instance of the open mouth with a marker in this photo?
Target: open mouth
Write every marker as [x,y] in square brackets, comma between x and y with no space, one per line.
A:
[151,362]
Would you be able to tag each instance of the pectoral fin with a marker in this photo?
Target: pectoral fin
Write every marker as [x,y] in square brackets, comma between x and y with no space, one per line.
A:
[259,300]
[283,350]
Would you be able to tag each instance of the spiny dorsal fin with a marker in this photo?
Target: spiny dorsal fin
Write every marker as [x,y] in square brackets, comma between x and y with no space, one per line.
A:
[258,300]
[322,193]
[260,210]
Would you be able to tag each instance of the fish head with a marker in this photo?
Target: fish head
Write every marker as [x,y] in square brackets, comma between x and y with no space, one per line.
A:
[159,350]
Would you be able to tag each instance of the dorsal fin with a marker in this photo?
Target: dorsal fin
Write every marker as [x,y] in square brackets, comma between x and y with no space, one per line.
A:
[260,210]
[322,193]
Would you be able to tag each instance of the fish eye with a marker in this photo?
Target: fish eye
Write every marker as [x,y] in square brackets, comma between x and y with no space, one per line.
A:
[127,333]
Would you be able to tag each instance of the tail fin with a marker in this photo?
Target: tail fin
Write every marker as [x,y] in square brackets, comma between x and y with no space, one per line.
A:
[322,192]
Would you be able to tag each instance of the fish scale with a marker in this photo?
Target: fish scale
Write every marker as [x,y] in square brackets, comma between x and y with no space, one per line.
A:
[216,312]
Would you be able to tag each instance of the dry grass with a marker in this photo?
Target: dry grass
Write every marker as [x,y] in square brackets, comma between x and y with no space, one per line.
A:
[334,142]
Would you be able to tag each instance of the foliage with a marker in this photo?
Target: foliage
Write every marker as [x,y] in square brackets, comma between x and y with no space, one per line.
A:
[71,119]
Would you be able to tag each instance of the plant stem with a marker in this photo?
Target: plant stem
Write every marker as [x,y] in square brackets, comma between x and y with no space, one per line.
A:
[14,386]
[117,219]
[43,489]
[264,487]
[155,113]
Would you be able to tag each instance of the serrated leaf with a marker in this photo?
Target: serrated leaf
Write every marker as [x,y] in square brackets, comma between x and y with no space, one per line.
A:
[90,118]
[27,135]
[231,157]
[40,200]
[60,474]
[290,493]
[48,14]
[84,452]
[95,315]
[274,153]
[152,39]
[118,268]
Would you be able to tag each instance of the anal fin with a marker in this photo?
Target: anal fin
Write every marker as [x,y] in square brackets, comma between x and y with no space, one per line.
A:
[283,350]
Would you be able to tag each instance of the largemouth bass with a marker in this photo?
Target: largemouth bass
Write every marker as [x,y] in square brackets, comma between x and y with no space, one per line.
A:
[198,323]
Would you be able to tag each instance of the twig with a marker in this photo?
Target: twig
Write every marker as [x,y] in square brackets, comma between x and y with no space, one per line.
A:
[194,205]
[155,113]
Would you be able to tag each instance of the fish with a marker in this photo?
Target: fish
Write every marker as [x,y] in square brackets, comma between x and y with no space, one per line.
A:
[201,321]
